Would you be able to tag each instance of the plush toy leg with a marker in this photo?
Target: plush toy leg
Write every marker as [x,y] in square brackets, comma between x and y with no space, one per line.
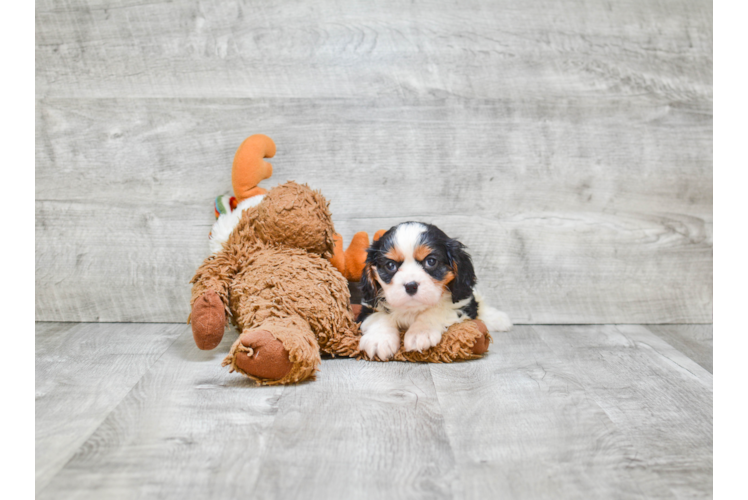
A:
[466,340]
[280,351]
[461,341]
[208,320]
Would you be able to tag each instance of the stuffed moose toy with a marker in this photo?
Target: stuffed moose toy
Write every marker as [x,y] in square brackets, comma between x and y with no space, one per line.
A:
[273,275]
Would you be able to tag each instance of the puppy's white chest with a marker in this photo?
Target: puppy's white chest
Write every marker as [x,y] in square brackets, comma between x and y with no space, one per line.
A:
[403,319]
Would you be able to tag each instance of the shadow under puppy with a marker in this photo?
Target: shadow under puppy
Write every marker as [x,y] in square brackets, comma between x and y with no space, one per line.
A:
[419,280]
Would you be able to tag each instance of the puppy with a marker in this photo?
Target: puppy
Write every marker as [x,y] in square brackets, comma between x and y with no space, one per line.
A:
[418,279]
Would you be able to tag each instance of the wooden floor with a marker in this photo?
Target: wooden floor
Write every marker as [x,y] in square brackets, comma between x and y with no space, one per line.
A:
[596,411]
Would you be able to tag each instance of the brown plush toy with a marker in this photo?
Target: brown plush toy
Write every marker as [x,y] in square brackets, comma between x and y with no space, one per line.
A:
[278,289]
[272,279]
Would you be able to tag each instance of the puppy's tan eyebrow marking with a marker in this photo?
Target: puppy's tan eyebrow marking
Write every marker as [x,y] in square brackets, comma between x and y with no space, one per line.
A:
[422,251]
[395,254]
[446,280]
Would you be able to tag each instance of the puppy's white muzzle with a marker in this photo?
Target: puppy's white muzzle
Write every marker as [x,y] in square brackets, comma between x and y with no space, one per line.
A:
[411,288]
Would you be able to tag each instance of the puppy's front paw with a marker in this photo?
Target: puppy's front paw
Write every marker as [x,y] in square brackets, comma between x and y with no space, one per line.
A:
[380,341]
[419,338]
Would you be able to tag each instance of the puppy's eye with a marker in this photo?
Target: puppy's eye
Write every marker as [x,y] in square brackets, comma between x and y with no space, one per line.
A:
[430,262]
[390,266]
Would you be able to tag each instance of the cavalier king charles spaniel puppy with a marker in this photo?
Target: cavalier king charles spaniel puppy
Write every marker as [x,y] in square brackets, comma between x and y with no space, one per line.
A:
[418,279]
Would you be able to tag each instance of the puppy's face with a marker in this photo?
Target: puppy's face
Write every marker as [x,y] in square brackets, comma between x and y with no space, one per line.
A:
[412,265]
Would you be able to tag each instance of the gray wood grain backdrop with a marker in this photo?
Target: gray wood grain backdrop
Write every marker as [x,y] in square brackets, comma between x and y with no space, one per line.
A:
[567,143]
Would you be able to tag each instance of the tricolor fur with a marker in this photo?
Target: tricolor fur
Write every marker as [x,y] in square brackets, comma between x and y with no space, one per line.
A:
[418,279]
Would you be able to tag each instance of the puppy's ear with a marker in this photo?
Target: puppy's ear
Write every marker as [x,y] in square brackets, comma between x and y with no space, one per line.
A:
[368,285]
[462,267]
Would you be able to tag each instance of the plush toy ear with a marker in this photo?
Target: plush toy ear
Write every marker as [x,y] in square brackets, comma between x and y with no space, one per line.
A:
[462,266]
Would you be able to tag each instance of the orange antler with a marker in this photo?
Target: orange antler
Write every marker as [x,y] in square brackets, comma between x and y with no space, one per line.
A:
[249,167]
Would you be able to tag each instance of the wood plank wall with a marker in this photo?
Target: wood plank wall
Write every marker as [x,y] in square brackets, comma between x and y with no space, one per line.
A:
[567,143]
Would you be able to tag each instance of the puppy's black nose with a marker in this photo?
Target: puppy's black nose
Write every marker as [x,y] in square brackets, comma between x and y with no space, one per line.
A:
[411,288]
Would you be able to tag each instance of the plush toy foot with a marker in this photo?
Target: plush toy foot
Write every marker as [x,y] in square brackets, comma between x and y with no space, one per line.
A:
[208,320]
[258,354]
[279,351]
[481,343]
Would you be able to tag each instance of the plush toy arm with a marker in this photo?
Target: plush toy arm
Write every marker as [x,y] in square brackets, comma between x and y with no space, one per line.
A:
[215,273]
[210,299]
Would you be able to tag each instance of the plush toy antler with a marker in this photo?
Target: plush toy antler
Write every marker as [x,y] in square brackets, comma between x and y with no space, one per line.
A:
[249,168]
[351,262]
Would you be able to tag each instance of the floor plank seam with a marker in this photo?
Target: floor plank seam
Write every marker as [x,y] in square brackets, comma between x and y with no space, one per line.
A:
[697,376]
[450,441]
